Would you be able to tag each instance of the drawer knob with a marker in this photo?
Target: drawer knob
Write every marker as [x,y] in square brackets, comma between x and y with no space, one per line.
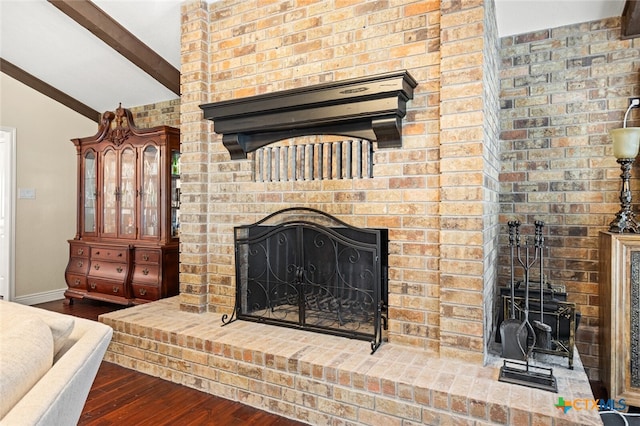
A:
[80,263]
[77,281]
[119,269]
[80,251]
[145,257]
[120,254]
[115,289]
[145,271]
[143,291]
[93,286]
[96,266]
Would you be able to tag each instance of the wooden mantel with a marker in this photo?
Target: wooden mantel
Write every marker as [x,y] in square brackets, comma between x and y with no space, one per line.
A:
[370,107]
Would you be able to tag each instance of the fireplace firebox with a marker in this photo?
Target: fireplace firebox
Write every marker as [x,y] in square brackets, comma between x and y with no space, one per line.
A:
[303,268]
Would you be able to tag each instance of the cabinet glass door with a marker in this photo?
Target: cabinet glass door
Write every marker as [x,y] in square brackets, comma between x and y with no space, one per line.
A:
[150,191]
[175,193]
[90,190]
[110,193]
[127,193]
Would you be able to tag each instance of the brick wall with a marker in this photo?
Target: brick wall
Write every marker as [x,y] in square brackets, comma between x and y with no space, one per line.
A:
[468,165]
[195,159]
[562,90]
[491,155]
[166,113]
[437,195]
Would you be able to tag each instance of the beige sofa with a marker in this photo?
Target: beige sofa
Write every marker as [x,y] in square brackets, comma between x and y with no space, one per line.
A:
[48,362]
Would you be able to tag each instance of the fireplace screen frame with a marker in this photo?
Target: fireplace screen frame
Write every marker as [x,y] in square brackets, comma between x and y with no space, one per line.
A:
[305,269]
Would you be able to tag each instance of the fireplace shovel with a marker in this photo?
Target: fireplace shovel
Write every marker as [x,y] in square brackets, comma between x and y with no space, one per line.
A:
[513,339]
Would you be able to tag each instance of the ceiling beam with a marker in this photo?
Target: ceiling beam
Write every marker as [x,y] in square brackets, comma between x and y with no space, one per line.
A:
[40,86]
[119,38]
[631,19]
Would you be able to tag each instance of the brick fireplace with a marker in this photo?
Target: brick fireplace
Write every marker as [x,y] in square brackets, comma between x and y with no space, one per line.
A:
[436,194]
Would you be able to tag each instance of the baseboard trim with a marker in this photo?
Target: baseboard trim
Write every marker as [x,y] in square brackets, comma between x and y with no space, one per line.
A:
[46,296]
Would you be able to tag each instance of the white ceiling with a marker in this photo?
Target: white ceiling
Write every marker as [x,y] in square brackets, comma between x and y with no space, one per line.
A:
[43,41]
[40,39]
[524,16]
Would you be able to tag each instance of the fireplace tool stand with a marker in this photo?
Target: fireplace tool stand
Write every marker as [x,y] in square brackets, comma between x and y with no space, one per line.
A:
[518,372]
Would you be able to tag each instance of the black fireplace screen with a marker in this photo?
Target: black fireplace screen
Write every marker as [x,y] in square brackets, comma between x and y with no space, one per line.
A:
[305,269]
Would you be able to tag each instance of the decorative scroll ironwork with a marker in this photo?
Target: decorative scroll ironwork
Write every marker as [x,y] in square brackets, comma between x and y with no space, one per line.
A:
[635,319]
[311,271]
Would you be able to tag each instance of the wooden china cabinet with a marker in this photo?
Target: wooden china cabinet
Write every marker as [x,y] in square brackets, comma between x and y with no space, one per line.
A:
[126,245]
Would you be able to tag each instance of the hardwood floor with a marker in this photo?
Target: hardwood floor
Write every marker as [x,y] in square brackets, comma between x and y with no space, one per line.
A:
[89,309]
[120,396]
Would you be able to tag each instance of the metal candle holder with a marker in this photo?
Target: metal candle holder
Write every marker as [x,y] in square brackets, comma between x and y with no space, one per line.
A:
[626,142]
[625,218]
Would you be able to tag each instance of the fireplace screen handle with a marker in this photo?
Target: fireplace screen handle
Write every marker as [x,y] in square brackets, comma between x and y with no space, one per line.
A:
[299,274]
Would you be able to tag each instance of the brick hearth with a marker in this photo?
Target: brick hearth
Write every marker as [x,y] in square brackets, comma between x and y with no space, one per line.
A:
[322,379]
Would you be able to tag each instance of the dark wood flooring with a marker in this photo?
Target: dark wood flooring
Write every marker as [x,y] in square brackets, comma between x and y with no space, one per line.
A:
[120,396]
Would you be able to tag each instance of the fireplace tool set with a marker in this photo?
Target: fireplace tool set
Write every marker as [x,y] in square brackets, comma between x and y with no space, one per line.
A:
[519,337]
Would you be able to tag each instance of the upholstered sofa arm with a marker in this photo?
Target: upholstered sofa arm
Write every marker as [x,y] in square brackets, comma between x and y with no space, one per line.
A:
[59,396]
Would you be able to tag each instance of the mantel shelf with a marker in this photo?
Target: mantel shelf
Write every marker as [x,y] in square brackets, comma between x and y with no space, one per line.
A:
[369,107]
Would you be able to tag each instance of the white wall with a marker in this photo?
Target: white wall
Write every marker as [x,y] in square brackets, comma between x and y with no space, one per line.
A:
[46,162]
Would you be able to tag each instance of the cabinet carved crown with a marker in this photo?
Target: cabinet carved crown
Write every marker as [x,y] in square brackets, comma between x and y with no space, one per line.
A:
[119,130]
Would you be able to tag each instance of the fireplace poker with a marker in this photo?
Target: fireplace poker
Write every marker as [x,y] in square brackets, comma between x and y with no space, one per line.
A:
[542,330]
[526,265]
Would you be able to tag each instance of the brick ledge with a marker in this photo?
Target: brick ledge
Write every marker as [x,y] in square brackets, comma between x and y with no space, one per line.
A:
[321,379]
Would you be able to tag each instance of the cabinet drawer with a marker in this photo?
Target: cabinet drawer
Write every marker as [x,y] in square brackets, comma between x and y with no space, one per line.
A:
[144,255]
[109,253]
[78,265]
[112,270]
[78,250]
[76,281]
[147,292]
[106,287]
[146,273]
